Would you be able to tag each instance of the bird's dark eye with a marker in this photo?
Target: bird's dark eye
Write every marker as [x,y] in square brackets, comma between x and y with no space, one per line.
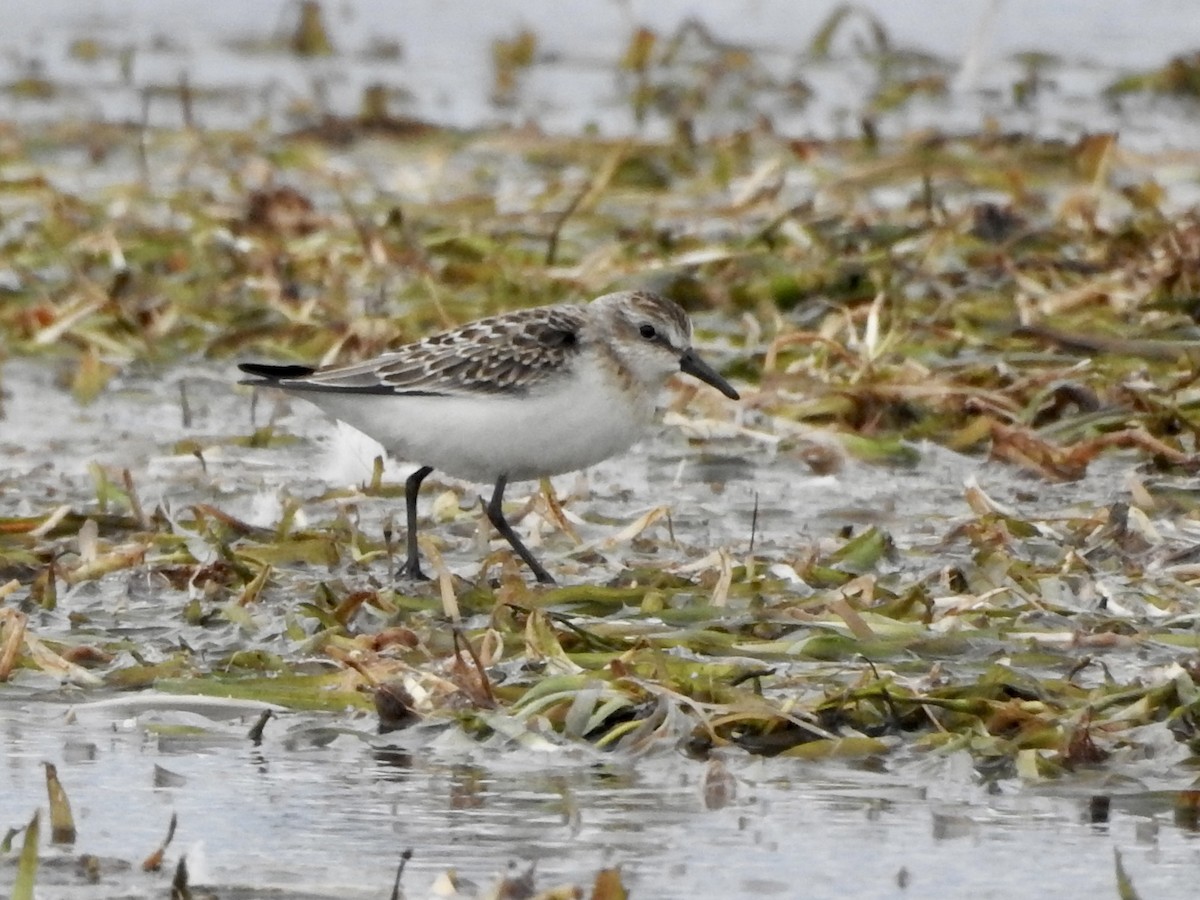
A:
[648,332]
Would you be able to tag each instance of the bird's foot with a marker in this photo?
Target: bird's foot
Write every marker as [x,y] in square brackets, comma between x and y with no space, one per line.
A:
[411,571]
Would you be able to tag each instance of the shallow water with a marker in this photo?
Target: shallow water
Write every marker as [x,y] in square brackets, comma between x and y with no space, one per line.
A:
[435,60]
[330,817]
[325,805]
[50,441]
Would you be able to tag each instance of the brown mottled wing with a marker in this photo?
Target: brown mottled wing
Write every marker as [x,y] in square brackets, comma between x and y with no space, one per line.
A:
[505,354]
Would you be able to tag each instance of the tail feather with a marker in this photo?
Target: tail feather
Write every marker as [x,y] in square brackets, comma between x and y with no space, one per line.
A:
[270,374]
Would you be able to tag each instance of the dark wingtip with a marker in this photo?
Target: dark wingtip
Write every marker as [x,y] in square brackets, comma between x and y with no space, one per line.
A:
[275,373]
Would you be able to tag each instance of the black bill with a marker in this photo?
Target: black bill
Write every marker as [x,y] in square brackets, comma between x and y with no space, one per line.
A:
[695,366]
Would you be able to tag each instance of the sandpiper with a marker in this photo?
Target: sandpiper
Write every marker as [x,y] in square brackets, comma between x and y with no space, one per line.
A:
[518,396]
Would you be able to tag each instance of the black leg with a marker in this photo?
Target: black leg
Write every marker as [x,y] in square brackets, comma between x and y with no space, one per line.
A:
[495,513]
[412,565]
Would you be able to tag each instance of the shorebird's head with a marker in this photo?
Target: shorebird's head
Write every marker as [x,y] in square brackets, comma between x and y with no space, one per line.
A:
[651,337]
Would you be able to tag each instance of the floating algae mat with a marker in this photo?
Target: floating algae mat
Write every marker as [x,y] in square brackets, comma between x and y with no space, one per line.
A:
[917,610]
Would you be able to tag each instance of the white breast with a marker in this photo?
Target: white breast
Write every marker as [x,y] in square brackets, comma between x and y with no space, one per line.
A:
[573,422]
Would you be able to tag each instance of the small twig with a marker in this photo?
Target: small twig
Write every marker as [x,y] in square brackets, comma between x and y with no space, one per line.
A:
[767,232]
[153,862]
[179,884]
[887,698]
[135,505]
[389,532]
[367,236]
[143,137]
[753,525]
[593,641]
[404,858]
[256,733]
[552,243]
[185,408]
[755,675]
[460,638]
[376,476]
[185,100]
